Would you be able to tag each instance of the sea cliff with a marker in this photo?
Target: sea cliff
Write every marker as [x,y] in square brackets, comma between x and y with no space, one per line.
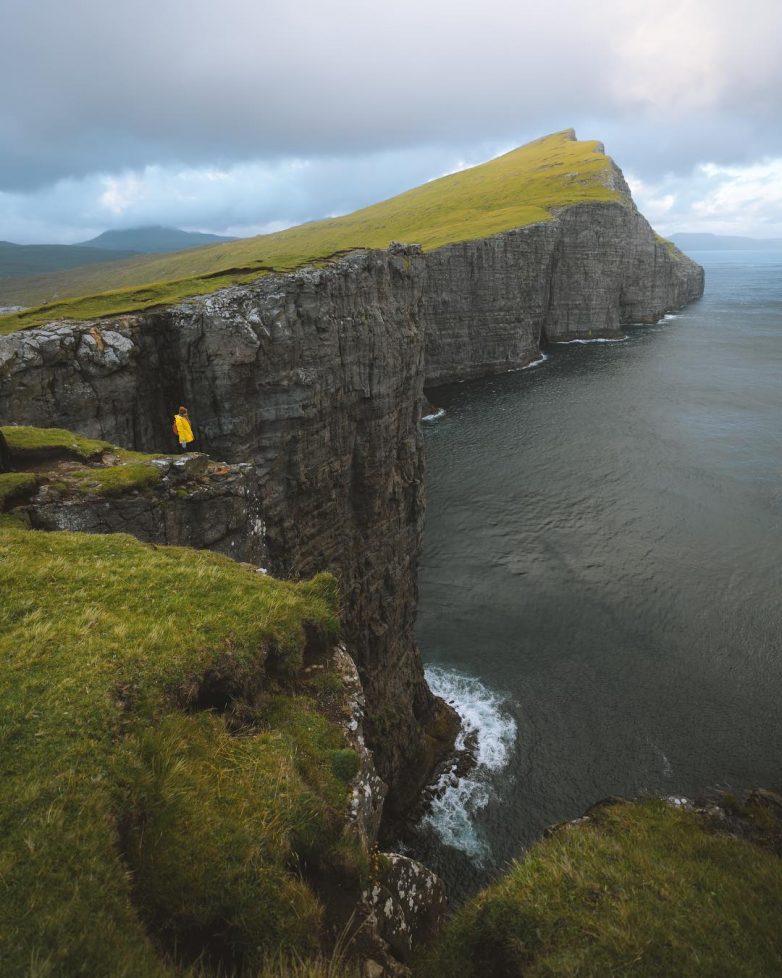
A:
[316,379]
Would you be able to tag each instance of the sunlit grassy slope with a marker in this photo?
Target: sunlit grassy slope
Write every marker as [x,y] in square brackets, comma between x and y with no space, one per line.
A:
[522,187]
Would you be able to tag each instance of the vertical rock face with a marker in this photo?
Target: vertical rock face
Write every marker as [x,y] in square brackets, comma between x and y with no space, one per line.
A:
[489,305]
[316,378]
[189,507]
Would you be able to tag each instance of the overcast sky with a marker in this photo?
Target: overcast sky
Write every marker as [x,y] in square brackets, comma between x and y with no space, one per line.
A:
[241,116]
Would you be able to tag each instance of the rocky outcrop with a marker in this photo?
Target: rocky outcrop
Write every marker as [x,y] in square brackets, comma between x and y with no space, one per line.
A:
[316,378]
[368,791]
[490,305]
[402,904]
[195,504]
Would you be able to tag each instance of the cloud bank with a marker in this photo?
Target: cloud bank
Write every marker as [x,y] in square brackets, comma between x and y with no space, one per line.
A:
[246,114]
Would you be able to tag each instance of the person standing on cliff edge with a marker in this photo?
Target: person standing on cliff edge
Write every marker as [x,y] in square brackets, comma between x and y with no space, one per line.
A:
[182,428]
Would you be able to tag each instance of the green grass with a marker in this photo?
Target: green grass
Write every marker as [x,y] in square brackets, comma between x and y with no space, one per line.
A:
[520,188]
[160,789]
[29,444]
[113,480]
[670,247]
[644,891]
[14,484]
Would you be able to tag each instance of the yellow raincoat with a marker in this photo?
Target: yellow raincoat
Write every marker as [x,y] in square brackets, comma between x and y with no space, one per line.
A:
[183,429]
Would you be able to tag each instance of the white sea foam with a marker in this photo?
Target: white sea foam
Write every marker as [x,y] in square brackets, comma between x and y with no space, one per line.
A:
[435,415]
[484,717]
[670,315]
[527,366]
[597,339]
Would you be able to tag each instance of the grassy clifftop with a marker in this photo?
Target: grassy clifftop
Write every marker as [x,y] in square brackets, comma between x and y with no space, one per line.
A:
[72,463]
[164,784]
[522,187]
[640,890]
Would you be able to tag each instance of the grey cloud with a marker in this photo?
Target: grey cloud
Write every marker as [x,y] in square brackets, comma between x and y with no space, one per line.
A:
[242,198]
[100,84]
[376,96]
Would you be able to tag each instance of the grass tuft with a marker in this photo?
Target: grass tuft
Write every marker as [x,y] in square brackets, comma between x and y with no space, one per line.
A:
[13,484]
[115,479]
[28,444]
[114,470]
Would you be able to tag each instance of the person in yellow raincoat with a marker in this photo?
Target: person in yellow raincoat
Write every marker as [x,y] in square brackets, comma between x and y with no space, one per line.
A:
[182,428]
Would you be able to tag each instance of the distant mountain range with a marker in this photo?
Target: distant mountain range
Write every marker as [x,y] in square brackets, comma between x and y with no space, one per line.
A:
[152,240]
[690,241]
[18,261]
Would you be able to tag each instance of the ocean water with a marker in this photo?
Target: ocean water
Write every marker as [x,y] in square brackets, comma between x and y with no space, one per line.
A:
[601,580]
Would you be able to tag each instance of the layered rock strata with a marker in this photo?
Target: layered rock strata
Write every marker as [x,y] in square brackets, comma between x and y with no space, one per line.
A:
[492,305]
[316,378]
[195,504]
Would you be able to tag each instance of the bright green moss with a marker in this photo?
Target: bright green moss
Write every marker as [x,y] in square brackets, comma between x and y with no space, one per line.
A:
[115,479]
[522,187]
[136,814]
[642,891]
[28,444]
[129,471]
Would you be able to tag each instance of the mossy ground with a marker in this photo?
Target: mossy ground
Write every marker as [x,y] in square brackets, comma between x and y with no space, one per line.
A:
[162,792]
[29,444]
[644,890]
[522,187]
[14,484]
[45,454]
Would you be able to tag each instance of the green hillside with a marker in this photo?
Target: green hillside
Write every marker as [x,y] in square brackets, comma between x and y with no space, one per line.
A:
[165,779]
[522,187]
[18,261]
[642,890]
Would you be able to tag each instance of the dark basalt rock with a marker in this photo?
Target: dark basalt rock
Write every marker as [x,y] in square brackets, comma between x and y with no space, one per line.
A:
[490,305]
[189,507]
[316,378]
[5,455]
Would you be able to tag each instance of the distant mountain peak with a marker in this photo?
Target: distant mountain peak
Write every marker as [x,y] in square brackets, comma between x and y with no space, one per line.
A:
[153,238]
